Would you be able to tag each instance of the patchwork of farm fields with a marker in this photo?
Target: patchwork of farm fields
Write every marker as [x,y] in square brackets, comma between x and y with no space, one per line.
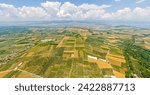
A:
[72,53]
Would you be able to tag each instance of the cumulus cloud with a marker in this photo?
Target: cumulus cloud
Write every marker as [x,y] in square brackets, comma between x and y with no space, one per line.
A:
[8,12]
[122,14]
[136,14]
[32,13]
[52,8]
[67,10]
[57,10]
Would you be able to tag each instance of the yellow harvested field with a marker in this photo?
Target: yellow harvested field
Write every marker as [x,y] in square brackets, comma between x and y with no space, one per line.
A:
[23,54]
[115,62]
[27,75]
[147,39]
[73,54]
[30,54]
[113,41]
[101,64]
[92,60]
[3,73]
[76,55]
[118,74]
[114,55]
[147,46]
[112,37]
[20,45]
[117,59]
[69,51]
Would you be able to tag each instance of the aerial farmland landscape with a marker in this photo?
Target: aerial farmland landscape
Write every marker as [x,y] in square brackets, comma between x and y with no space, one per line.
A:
[75,39]
[74,51]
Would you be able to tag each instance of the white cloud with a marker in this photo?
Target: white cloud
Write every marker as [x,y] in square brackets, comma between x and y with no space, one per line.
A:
[57,10]
[137,1]
[136,14]
[32,13]
[117,0]
[91,11]
[67,10]
[142,13]
[84,11]
[140,1]
[52,8]
[8,12]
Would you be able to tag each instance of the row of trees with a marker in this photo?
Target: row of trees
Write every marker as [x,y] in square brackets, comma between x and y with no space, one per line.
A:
[140,54]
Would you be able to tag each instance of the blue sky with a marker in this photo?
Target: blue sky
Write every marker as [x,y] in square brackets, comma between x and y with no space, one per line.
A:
[60,9]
